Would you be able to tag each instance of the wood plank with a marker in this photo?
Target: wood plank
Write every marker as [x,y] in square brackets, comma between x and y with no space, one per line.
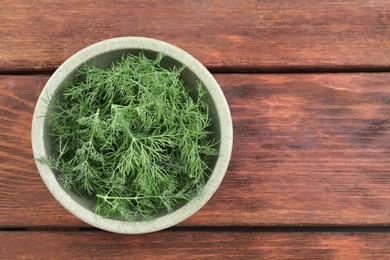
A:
[193,245]
[309,149]
[268,35]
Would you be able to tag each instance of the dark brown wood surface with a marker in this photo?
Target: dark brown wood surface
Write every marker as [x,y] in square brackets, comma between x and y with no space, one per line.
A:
[310,171]
[195,245]
[309,149]
[268,35]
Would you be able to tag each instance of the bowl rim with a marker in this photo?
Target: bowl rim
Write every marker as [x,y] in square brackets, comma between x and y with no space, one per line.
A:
[120,226]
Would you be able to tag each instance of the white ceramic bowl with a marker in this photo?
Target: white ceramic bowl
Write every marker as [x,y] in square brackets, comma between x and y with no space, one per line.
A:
[104,53]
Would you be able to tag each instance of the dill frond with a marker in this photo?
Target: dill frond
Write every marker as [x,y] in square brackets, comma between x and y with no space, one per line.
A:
[132,136]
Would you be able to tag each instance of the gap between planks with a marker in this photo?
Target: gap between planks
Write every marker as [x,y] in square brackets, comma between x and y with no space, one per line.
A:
[292,229]
[244,70]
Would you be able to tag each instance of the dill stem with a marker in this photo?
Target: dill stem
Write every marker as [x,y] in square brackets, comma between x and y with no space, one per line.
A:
[105,197]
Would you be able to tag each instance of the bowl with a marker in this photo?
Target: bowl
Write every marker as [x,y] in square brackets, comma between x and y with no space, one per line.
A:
[103,54]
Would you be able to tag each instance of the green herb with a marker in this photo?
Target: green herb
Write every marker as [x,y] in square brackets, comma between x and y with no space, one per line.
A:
[132,136]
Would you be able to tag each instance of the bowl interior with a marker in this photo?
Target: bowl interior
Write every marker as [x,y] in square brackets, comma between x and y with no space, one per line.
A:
[105,60]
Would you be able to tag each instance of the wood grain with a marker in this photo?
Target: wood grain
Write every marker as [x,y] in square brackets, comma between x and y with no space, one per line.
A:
[195,245]
[261,35]
[309,149]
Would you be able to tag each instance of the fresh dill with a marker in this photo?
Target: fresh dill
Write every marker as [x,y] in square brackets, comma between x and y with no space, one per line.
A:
[132,136]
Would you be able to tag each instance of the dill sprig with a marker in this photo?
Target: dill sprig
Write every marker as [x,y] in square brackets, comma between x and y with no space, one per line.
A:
[132,136]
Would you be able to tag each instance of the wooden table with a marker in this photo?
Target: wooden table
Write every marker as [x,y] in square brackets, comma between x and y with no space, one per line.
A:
[308,84]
